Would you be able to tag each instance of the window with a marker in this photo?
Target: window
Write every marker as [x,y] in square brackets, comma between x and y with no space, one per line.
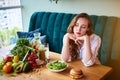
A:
[10,20]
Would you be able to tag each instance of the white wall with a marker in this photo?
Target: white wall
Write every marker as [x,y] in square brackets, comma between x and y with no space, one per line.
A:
[92,7]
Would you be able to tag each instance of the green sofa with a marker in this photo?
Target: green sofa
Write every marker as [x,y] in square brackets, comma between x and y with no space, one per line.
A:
[54,25]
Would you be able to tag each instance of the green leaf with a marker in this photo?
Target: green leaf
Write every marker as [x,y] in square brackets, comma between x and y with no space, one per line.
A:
[1,70]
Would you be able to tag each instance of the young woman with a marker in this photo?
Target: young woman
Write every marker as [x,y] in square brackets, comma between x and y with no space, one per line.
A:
[80,42]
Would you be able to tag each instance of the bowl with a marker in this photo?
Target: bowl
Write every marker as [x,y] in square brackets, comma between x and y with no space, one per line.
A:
[57,66]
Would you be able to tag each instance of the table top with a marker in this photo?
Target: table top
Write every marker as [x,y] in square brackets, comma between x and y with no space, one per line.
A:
[95,72]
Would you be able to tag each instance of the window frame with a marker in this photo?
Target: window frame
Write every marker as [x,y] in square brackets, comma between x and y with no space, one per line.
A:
[10,7]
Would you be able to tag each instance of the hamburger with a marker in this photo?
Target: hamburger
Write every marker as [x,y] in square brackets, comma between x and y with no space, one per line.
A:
[76,73]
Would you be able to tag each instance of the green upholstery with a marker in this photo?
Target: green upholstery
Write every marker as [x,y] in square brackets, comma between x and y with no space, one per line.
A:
[54,25]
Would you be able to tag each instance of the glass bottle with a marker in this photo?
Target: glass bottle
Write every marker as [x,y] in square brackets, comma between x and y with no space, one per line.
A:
[41,47]
[37,38]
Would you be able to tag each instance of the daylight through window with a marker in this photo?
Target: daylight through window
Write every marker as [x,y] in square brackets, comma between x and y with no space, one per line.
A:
[10,20]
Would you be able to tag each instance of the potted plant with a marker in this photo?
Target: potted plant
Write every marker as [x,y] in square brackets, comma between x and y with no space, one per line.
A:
[54,0]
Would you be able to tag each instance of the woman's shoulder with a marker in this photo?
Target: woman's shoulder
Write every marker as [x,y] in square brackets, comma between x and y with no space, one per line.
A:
[95,36]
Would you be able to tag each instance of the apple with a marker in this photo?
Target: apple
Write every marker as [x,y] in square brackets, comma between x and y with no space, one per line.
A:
[8,59]
[9,63]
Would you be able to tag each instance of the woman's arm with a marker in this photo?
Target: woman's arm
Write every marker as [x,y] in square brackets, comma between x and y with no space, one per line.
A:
[87,50]
[90,51]
[65,54]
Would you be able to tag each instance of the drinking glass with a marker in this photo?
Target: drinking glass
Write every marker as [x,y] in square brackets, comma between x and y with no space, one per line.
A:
[46,46]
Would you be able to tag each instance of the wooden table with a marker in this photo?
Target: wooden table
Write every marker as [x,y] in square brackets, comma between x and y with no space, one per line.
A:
[95,72]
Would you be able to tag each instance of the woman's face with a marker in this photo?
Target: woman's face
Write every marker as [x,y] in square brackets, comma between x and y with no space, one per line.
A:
[80,27]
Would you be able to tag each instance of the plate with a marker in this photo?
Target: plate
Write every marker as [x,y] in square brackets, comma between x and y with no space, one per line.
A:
[57,66]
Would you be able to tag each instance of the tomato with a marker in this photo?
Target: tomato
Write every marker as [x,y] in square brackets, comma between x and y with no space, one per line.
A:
[36,47]
[32,53]
[31,62]
[35,57]
[7,68]
[29,58]
[34,65]
[34,43]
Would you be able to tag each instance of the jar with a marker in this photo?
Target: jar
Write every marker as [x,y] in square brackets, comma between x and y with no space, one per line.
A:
[37,38]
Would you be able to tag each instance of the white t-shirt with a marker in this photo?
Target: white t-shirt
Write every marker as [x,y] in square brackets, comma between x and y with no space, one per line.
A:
[95,42]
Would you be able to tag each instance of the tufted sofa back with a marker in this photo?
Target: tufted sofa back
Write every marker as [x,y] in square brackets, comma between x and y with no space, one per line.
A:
[54,25]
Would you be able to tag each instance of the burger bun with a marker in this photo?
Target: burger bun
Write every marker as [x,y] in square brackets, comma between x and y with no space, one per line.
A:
[76,73]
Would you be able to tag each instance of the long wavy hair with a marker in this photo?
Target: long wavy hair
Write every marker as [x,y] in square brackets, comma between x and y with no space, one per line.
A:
[74,50]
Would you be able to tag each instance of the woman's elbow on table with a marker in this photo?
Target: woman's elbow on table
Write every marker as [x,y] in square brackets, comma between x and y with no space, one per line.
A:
[65,59]
[89,63]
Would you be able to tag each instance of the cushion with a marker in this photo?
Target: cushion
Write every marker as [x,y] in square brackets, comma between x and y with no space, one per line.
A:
[30,35]
[27,34]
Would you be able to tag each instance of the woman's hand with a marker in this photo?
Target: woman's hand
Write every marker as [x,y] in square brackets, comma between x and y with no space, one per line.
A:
[70,36]
[80,40]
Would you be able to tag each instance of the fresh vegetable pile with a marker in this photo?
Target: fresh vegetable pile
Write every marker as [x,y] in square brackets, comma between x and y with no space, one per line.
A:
[21,48]
[23,59]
